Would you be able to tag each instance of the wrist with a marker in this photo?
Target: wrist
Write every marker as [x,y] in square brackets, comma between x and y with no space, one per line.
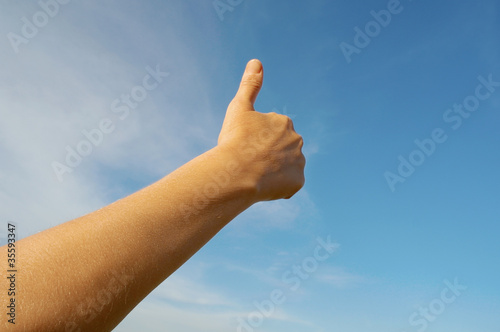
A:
[232,175]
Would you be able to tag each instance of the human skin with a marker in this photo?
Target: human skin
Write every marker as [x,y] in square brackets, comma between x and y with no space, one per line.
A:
[87,274]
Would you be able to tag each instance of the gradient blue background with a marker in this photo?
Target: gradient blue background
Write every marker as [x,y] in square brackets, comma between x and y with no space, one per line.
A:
[396,248]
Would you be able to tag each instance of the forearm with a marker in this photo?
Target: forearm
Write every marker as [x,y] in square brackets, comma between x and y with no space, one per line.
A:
[89,273]
[128,248]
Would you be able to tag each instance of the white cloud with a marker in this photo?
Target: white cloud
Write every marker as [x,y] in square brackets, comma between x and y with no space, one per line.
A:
[63,82]
[155,314]
[340,278]
[182,289]
[158,316]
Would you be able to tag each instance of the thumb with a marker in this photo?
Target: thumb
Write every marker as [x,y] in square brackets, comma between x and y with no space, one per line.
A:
[251,82]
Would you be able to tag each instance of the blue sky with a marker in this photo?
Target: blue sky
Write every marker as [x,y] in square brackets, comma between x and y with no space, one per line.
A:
[399,246]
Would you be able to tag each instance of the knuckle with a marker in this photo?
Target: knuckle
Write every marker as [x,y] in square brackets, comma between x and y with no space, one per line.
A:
[300,140]
[278,120]
[278,116]
[301,157]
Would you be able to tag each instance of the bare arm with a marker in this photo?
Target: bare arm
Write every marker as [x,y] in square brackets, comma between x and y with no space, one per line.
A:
[89,273]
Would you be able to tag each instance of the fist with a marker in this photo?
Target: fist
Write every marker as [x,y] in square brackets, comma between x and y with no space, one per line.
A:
[265,144]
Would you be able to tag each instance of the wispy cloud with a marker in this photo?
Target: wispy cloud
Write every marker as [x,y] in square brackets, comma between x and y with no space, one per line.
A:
[50,93]
[340,278]
[187,302]
[185,290]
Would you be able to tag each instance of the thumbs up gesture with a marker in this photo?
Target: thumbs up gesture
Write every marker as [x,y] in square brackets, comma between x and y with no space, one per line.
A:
[267,148]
